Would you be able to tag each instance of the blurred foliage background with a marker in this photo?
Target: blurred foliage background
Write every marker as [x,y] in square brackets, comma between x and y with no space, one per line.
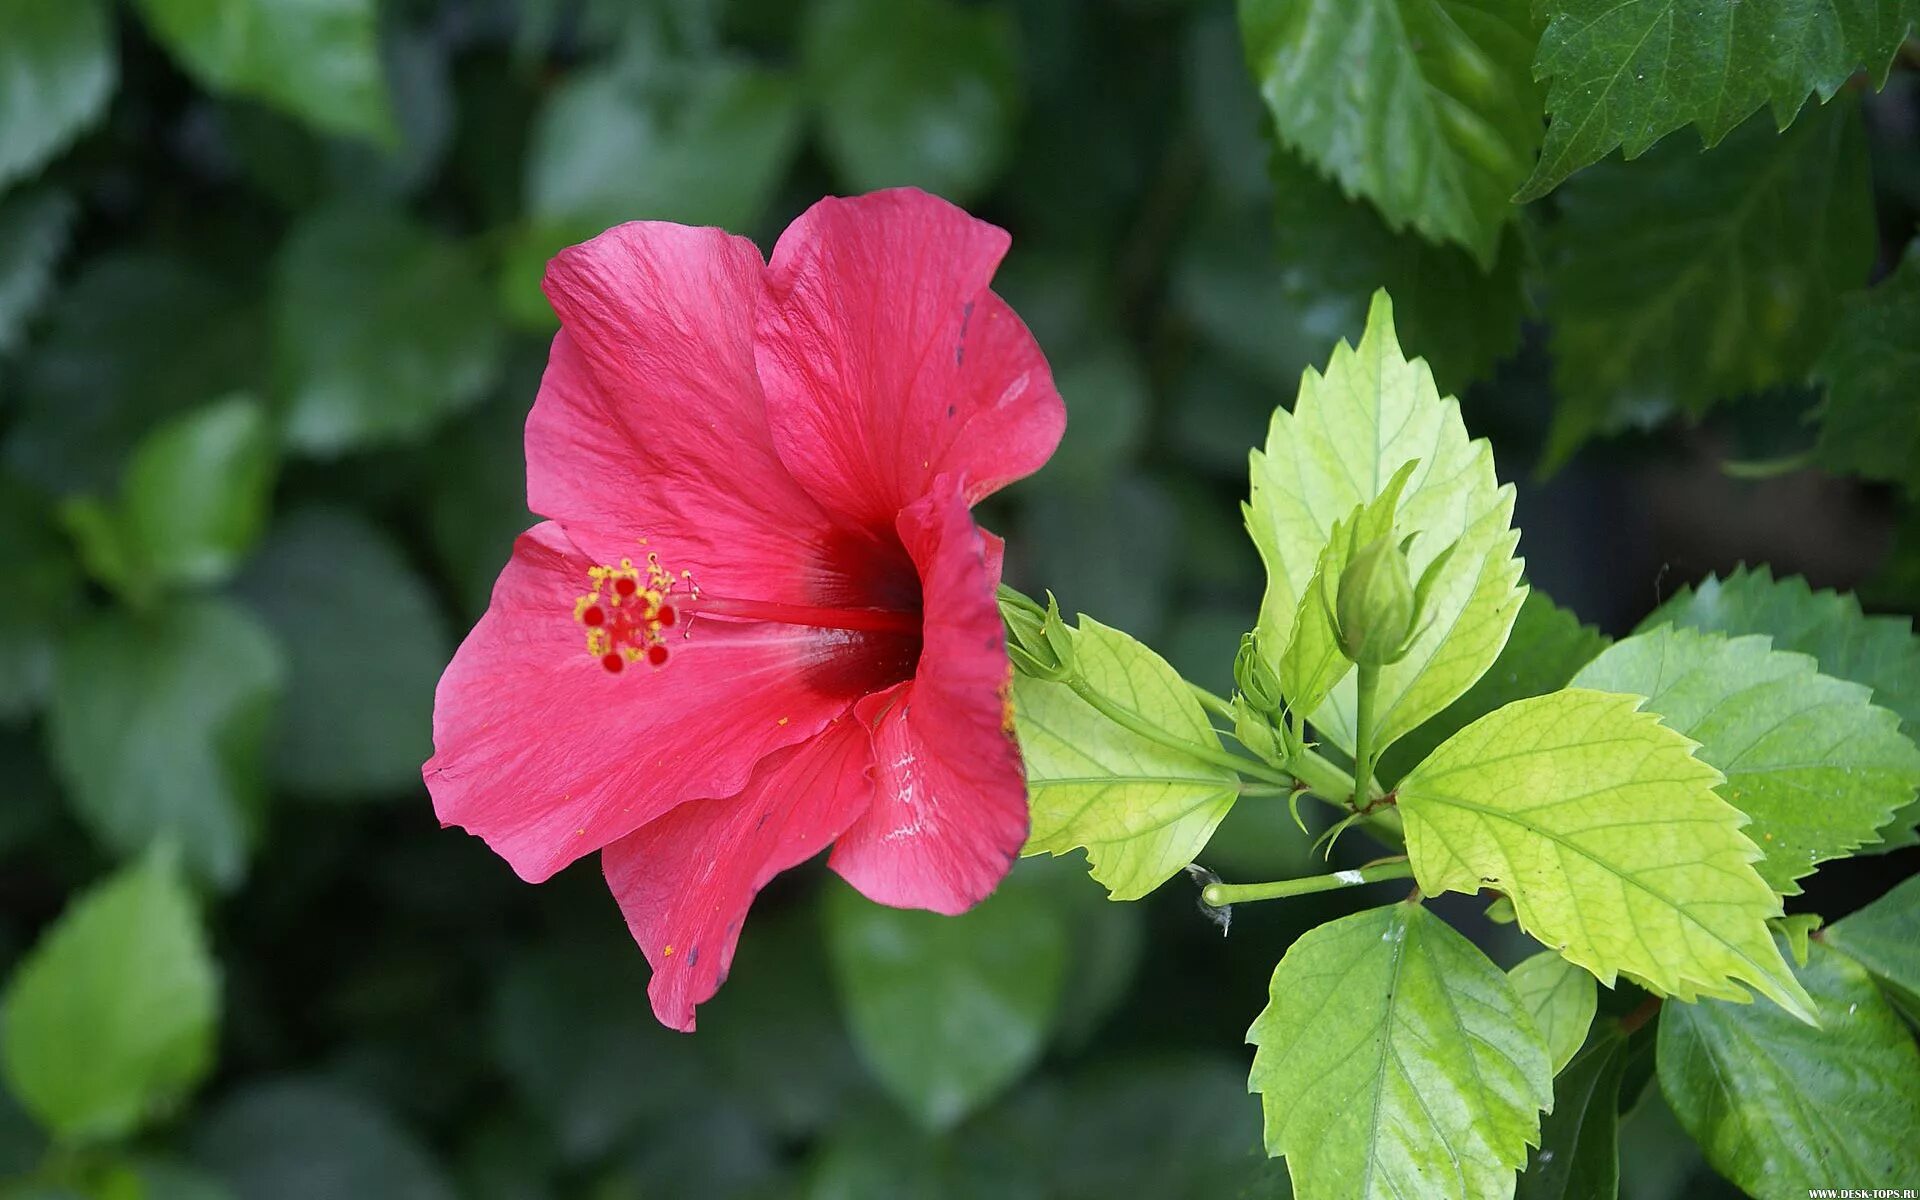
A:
[269,326]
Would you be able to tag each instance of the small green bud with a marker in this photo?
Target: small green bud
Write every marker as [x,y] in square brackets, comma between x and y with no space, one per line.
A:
[1256,679]
[1256,731]
[1375,608]
[1038,640]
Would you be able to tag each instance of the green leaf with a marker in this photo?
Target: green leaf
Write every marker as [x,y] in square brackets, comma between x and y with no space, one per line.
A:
[1880,652]
[1425,107]
[947,1011]
[110,1019]
[1734,289]
[1778,1106]
[58,68]
[1870,425]
[1349,433]
[1579,1153]
[365,641]
[133,339]
[1605,831]
[1809,758]
[1626,75]
[381,330]
[1142,810]
[921,92]
[1395,1060]
[34,227]
[1561,999]
[157,728]
[1335,253]
[39,592]
[298,1139]
[316,59]
[192,504]
[1884,937]
[1547,645]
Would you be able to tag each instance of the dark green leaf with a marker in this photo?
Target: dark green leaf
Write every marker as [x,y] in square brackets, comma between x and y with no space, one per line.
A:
[111,1018]
[1884,937]
[1780,1106]
[1106,393]
[1547,645]
[921,92]
[1734,288]
[1871,424]
[1108,551]
[1579,1153]
[381,330]
[58,68]
[365,643]
[33,235]
[39,591]
[1335,253]
[316,59]
[947,1011]
[132,340]
[295,1139]
[157,728]
[1424,107]
[1629,74]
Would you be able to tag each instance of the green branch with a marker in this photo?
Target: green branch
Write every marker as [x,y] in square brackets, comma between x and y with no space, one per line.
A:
[1220,895]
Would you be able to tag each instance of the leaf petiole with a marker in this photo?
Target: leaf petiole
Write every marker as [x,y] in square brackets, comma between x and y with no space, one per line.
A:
[1221,894]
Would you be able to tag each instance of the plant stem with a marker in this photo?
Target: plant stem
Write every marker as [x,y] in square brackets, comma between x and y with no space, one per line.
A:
[1217,705]
[1322,778]
[1220,894]
[1369,686]
[1131,721]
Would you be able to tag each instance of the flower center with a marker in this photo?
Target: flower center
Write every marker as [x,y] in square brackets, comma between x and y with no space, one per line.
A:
[630,609]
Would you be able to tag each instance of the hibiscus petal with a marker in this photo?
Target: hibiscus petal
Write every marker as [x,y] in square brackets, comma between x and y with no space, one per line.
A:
[546,755]
[650,427]
[887,362]
[686,880]
[949,811]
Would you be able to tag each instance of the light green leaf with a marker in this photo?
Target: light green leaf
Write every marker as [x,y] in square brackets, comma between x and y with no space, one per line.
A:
[381,330]
[1605,831]
[1334,253]
[33,235]
[316,59]
[947,1011]
[1879,652]
[1884,937]
[1871,425]
[1142,810]
[192,504]
[58,68]
[1395,1060]
[1734,289]
[365,643]
[921,92]
[1561,999]
[1629,74]
[110,1019]
[1780,1107]
[1579,1153]
[1815,765]
[157,728]
[1547,645]
[1425,107]
[1349,433]
[307,1139]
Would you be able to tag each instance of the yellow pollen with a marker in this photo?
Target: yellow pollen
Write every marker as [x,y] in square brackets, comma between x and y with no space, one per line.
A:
[667,953]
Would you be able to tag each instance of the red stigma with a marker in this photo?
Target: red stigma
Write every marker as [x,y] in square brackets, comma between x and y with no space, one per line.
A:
[665,615]
[614,663]
[594,616]
[626,587]
[657,655]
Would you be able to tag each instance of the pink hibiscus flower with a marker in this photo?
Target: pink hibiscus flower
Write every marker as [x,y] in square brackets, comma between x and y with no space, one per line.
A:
[760,618]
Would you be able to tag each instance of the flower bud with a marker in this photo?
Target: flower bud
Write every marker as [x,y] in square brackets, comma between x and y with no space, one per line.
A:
[1256,679]
[1375,609]
[1038,640]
